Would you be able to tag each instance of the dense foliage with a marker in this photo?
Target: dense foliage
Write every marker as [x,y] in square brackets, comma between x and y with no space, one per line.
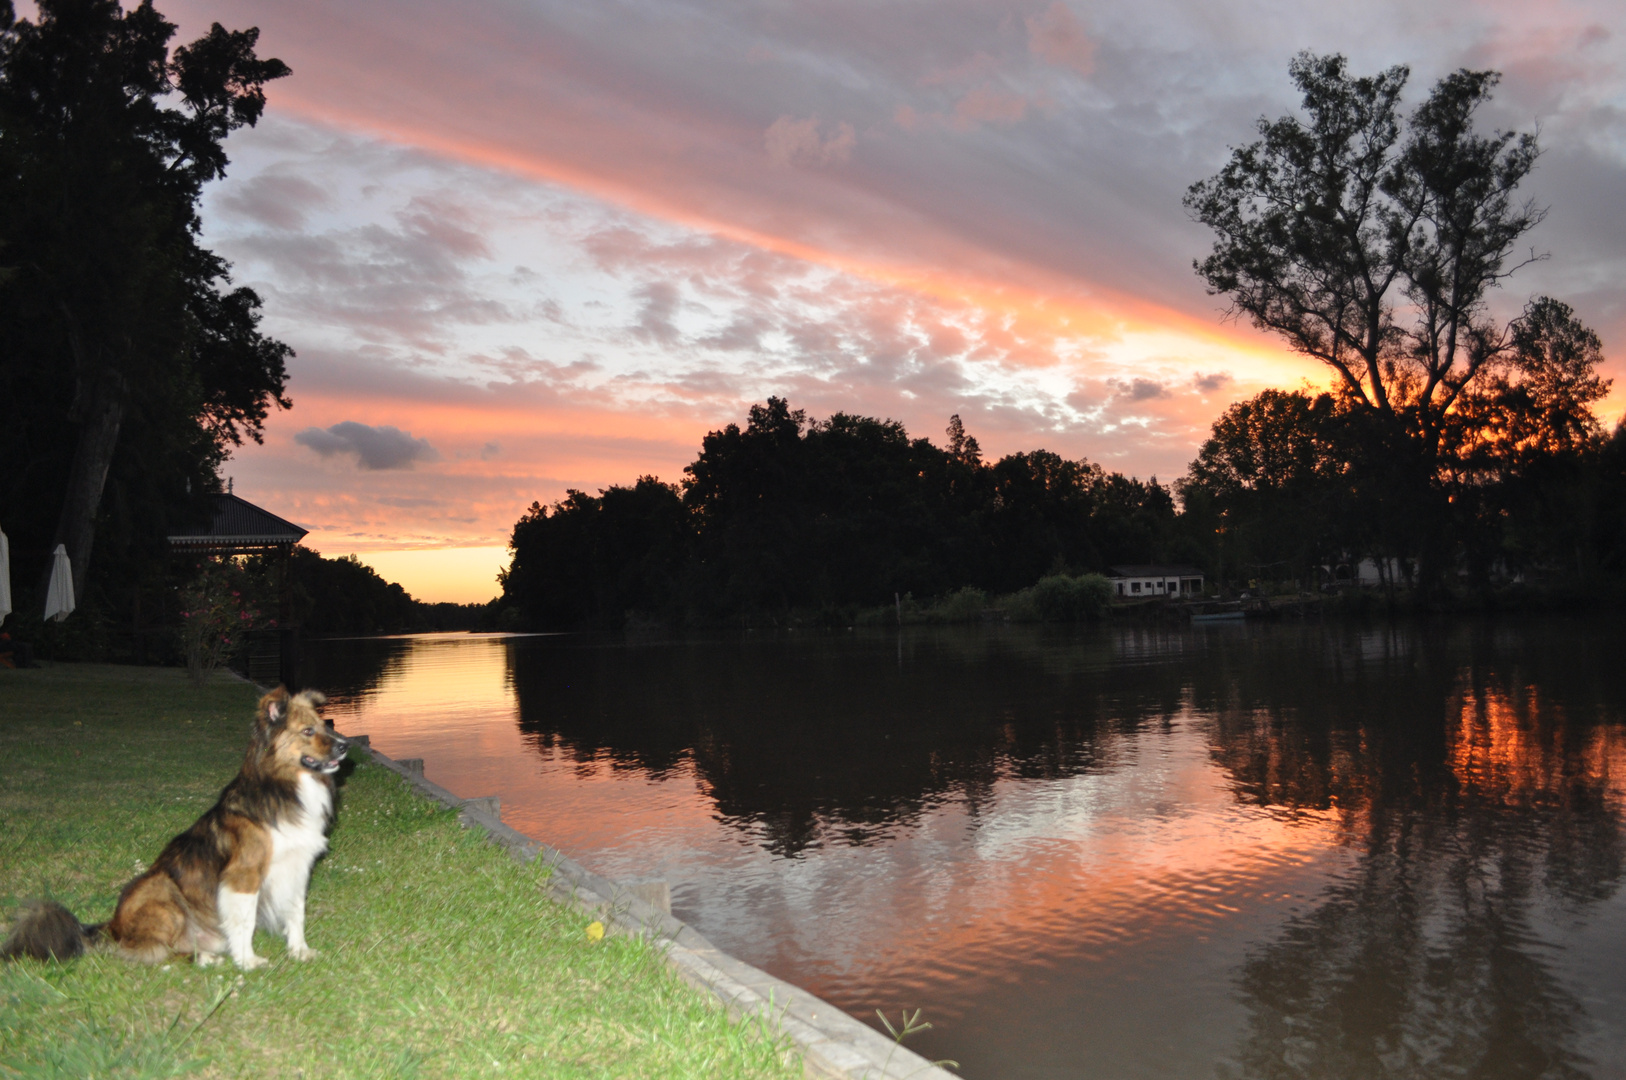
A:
[217,614]
[792,518]
[129,364]
[789,514]
[345,596]
[1293,486]
[1370,240]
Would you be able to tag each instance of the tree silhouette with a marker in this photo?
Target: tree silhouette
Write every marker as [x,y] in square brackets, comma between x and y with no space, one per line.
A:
[124,352]
[1370,241]
[792,516]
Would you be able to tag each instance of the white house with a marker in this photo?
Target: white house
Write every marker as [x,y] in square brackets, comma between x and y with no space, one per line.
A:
[1140,582]
[1369,572]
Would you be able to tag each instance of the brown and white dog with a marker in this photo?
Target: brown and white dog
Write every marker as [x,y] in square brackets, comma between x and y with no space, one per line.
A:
[246,862]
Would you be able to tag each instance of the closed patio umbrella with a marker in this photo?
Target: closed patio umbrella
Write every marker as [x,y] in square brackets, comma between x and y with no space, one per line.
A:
[59,594]
[5,577]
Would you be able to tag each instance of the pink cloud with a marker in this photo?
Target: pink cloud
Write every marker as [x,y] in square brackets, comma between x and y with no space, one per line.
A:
[1057,37]
[989,104]
[797,142]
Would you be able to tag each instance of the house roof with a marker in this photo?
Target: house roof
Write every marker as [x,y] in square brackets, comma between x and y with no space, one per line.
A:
[238,523]
[1153,570]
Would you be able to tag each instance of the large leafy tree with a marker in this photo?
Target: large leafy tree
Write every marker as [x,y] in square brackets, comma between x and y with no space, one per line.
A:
[1371,240]
[591,560]
[1274,475]
[791,512]
[124,350]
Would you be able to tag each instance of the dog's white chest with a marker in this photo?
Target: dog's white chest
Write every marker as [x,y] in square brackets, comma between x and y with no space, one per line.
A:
[299,839]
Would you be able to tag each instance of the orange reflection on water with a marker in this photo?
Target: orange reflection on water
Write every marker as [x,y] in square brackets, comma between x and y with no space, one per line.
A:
[1087,866]
[1512,747]
[449,699]
[1109,879]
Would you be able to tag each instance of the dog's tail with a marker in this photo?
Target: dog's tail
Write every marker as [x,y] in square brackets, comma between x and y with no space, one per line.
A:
[48,931]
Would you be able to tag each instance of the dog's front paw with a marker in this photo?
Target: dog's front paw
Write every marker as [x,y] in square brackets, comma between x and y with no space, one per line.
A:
[251,962]
[206,959]
[302,952]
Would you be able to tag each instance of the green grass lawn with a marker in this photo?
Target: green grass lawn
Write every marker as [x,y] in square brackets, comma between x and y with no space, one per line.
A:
[441,957]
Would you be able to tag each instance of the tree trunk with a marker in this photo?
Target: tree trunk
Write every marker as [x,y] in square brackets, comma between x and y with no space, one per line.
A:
[76,527]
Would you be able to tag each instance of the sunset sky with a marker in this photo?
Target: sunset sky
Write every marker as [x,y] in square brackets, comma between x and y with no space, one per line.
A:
[521,247]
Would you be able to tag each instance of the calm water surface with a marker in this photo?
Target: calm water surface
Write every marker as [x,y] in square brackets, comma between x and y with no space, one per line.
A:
[1269,852]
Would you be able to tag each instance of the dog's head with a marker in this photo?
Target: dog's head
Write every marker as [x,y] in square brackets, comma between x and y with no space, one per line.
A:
[296,735]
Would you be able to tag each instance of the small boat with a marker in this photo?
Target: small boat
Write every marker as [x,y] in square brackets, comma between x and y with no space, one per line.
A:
[1209,613]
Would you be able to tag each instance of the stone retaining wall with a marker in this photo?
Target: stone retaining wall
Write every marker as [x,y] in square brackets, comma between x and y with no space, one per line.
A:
[831,1043]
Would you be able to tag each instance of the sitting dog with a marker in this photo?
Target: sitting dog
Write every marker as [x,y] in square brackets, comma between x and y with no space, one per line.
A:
[246,861]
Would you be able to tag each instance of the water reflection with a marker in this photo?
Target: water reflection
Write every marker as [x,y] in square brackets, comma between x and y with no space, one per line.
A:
[829,740]
[1290,852]
[1484,800]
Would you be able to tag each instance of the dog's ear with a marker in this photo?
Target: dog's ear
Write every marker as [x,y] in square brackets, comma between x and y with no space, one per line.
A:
[273,708]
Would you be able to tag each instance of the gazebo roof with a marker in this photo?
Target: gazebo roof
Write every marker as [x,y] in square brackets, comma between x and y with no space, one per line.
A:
[239,525]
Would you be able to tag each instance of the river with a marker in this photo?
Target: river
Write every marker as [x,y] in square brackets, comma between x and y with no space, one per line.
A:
[1242,850]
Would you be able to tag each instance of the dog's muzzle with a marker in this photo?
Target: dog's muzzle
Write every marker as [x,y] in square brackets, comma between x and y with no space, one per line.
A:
[331,765]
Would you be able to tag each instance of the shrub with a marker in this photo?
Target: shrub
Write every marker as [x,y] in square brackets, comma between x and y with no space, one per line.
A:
[1061,598]
[962,605]
[215,617]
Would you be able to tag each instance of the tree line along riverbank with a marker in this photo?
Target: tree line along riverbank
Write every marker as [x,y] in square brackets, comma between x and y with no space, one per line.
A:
[789,519]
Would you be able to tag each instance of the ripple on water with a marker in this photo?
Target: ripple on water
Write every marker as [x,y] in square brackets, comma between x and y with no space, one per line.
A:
[1131,854]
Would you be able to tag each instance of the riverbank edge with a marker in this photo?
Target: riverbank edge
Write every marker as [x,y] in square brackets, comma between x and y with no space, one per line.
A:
[831,1043]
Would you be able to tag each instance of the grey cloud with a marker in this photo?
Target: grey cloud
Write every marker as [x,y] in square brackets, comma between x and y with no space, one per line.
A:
[743,332]
[1144,389]
[382,447]
[660,303]
[407,281]
[515,364]
[1084,401]
[711,265]
[439,227]
[278,199]
[1207,384]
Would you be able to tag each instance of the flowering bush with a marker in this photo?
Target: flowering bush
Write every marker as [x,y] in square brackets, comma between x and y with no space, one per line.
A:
[215,617]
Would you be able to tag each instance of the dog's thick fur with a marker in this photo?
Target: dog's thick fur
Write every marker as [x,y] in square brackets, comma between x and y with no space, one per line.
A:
[246,861]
